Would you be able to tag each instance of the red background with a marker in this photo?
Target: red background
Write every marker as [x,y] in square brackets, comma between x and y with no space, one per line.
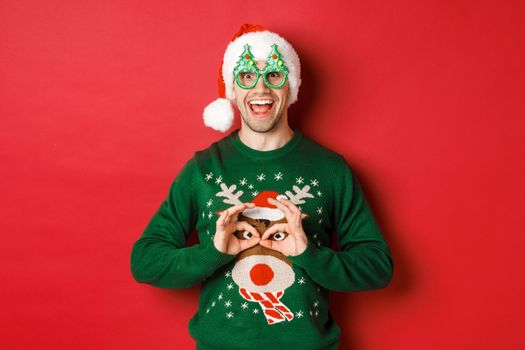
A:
[100,105]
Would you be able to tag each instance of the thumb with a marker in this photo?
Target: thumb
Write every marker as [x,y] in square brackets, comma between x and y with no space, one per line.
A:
[245,244]
[268,244]
[244,226]
[273,229]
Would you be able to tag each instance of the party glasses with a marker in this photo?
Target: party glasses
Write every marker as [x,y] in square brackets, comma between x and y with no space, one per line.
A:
[247,73]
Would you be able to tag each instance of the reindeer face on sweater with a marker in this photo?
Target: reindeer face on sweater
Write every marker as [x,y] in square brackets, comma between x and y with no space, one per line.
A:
[261,269]
[263,274]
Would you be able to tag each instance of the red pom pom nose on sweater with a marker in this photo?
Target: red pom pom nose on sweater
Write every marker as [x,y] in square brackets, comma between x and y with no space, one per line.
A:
[261,274]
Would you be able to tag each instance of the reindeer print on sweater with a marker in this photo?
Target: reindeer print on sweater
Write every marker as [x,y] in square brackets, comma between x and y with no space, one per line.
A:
[262,275]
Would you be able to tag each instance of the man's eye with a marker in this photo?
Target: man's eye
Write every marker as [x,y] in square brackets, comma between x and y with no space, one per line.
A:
[247,234]
[247,76]
[275,78]
[279,236]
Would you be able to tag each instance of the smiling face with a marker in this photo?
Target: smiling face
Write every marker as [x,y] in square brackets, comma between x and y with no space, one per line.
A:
[262,108]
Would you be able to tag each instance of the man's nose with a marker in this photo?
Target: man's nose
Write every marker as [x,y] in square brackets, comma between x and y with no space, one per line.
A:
[261,86]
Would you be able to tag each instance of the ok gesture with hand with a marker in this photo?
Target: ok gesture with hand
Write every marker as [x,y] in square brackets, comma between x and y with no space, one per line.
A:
[295,241]
[224,240]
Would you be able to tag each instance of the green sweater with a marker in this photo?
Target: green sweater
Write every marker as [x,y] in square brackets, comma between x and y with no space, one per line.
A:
[264,299]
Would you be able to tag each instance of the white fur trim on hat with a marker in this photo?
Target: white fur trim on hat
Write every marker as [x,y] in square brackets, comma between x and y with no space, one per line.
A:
[218,115]
[260,47]
[272,214]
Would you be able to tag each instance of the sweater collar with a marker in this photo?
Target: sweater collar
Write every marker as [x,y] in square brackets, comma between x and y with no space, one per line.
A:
[265,155]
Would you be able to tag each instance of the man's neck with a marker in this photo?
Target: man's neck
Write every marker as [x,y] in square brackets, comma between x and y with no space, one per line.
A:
[266,141]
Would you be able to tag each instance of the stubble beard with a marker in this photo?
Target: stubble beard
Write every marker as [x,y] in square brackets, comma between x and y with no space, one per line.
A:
[267,125]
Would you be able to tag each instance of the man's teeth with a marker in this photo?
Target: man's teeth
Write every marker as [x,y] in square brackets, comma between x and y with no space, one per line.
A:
[261,102]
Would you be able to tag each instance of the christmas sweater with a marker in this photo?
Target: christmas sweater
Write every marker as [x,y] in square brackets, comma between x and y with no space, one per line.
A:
[261,298]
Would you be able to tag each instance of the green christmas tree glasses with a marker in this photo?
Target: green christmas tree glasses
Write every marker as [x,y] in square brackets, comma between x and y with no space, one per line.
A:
[247,73]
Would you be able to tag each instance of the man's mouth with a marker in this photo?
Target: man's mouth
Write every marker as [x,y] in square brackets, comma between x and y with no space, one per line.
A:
[261,107]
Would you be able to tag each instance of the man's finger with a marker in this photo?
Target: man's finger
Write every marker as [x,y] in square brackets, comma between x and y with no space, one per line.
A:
[222,217]
[293,208]
[287,212]
[248,243]
[286,202]
[274,245]
[228,217]
[243,225]
[296,214]
[236,209]
[297,219]
[239,207]
[273,229]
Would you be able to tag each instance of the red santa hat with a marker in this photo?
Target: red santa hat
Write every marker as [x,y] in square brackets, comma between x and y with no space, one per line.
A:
[263,209]
[218,115]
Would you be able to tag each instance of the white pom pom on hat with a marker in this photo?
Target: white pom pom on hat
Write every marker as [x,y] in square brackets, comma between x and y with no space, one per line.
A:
[218,115]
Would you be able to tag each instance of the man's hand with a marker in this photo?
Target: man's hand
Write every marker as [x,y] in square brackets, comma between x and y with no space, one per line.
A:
[296,241]
[224,240]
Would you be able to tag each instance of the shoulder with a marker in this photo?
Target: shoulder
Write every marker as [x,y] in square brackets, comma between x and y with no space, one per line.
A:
[214,150]
[323,153]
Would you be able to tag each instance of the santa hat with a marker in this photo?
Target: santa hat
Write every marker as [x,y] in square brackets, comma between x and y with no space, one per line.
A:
[263,209]
[219,114]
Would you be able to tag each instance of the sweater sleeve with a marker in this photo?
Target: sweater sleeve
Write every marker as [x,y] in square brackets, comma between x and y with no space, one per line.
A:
[160,256]
[363,261]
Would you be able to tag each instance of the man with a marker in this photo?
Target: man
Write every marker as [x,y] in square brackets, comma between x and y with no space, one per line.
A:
[264,200]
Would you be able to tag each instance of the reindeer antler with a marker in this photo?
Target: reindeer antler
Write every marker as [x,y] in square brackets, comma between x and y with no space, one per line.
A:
[231,198]
[297,197]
